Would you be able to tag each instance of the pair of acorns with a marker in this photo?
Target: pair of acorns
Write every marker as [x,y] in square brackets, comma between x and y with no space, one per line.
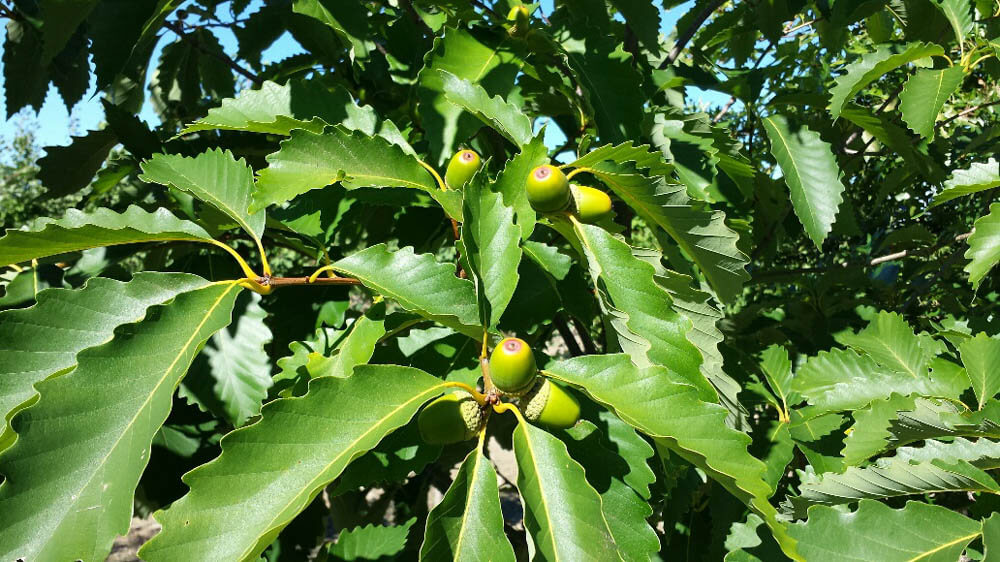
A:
[457,417]
[547,187]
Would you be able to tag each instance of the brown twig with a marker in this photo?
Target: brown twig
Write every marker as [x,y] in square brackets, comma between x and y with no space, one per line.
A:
[685,37]
[9,13]
[217,55]
[722,112]
[285,281]
[967,111]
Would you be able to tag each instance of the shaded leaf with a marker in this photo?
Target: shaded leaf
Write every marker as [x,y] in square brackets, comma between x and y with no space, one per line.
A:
[644,19]
[610,83]
[705,335]
[25,80]
[60,18]
[959,16]
[895,137]
[237,370]
[471,57]
[68,169]
[811,173]
[624,510]
[348,19]
[699,230]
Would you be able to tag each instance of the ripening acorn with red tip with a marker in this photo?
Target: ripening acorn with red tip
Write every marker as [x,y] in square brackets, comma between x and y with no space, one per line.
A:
[548,189]
[512,367]
[461,168]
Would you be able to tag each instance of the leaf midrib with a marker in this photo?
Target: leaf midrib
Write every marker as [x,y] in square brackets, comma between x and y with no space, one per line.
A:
[468,498]
[104,459]
[349,448]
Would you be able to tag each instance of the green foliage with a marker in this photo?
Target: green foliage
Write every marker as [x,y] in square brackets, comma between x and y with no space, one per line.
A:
[231,320]
[811,174]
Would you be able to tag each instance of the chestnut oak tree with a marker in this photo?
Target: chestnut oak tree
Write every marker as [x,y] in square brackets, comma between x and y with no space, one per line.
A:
[488,280]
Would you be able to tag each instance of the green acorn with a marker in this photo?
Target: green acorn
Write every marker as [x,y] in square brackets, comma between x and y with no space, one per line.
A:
[452,418]
[512,367]
[550,406]
[592,205]
[461,168]
[547,189]
[520,17]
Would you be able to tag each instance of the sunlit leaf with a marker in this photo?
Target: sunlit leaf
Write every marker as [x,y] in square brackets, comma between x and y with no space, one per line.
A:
[39,342]
[103,227]
[563,515]
[984,246]
[216,177]
[467,524]
[97,424]
[271,470]
[875,531]
[873,65]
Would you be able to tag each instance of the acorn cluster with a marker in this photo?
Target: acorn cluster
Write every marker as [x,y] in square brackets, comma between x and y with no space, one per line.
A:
[457,417]
[547,188]
[549,191]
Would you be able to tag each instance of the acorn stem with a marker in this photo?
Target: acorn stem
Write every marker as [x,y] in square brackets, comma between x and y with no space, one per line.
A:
[480,397]
[507,407]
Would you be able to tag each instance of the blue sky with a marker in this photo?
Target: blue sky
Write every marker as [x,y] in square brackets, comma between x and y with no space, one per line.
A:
[54,123]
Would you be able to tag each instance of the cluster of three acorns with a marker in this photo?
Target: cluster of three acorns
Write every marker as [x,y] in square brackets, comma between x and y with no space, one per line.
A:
[458,416]
[547,187]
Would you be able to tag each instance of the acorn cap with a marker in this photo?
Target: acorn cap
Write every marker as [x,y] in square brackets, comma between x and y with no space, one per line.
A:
[550,406]
[451,418]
